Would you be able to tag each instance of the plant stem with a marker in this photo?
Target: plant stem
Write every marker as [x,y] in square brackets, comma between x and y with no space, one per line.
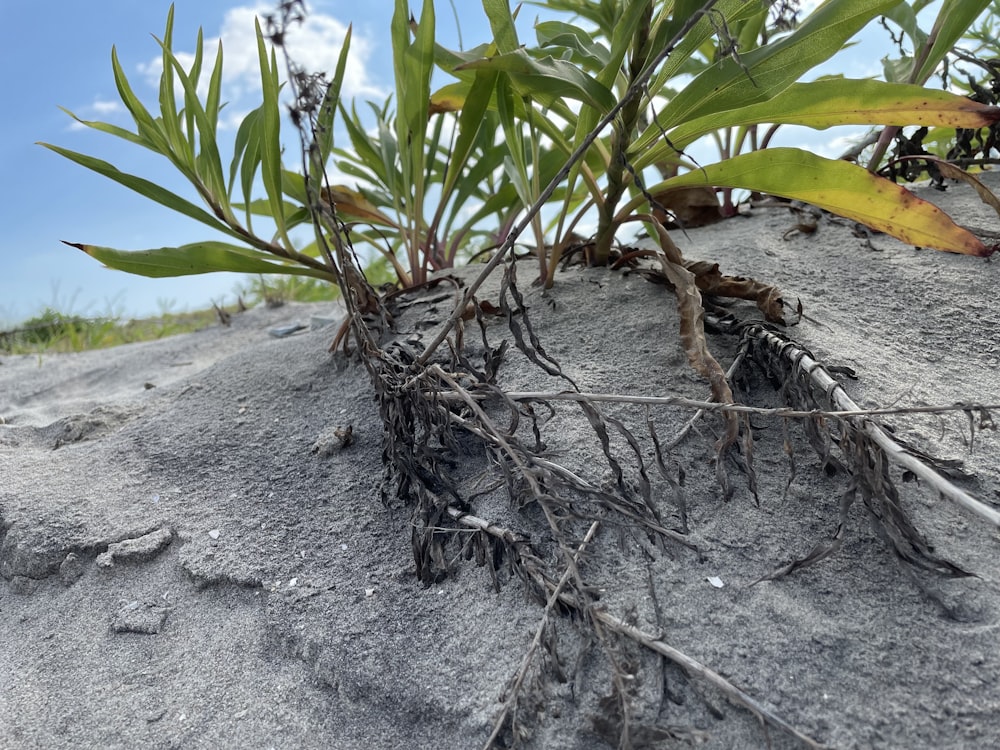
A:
[621,139]
[634,90]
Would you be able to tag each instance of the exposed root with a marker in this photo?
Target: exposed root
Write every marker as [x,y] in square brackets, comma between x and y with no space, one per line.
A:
[513,691]
[779,349]
[556,593]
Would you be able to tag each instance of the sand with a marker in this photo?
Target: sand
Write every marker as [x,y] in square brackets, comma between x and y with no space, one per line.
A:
[189,556]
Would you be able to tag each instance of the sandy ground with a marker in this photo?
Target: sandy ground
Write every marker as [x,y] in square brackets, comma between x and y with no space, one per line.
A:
[189,559]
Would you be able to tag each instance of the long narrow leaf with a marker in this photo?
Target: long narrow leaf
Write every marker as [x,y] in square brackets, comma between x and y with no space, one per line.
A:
[206,163]
[168,103]
[766,71]
[470,122]
[213,100]
[144,187]
[146,127]
[842,188]
[196,258]
[502,25]
[954,19]
[547,79]
[270,143]
[828,102]
[110,129]
[331,100]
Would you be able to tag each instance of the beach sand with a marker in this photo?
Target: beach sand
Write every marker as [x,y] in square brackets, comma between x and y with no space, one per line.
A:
[191,558]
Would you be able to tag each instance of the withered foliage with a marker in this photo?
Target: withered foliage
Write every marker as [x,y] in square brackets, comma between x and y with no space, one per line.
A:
[845,447]
[972,146]
[972,143]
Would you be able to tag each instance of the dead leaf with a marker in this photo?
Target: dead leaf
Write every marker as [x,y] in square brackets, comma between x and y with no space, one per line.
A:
[952,172]
[687,208]
[350,204]
[711,281]
[693,338]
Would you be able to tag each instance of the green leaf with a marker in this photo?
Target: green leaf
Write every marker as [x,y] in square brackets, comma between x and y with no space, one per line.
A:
[251,130]
[828,102]
[293,185]
[270,135]
[105,127]
[666,26]
[144,187]
[470,122]
[196,258]
[147,128]
[838,186]
[168,104]
[363,150]
[515,161]
[547,79]
[331,100]
[903,15]
[214,97]
[502,25]
[954,19]
[586,51]
[772,68]
[201,128]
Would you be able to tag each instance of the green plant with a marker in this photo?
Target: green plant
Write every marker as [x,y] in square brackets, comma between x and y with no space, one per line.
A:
[546,101]
[272,290]
[54,331]
[744,89]
[185,132]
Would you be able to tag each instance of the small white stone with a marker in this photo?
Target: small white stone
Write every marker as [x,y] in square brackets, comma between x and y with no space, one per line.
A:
[214,534]
[715,581]
[293,582]
[369,592]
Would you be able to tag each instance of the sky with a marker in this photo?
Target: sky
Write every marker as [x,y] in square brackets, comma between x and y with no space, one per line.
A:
[59,55]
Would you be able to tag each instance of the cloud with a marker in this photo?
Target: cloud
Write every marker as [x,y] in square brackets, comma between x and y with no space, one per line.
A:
[106,107]
[315,45]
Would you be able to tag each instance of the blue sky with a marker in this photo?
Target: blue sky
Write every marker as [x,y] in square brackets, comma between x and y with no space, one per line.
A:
[59,55]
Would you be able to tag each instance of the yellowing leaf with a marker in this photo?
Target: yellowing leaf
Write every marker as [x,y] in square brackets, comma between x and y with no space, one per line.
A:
[825,103]
[842,188]
[451,98]
[351,204]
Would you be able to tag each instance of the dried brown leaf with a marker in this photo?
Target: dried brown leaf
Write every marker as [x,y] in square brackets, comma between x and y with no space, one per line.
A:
[693,339]
[957,173]
[711,281]
[687,208]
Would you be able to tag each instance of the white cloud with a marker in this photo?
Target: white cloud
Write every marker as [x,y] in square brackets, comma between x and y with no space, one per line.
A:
[315,45]
[106,107]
